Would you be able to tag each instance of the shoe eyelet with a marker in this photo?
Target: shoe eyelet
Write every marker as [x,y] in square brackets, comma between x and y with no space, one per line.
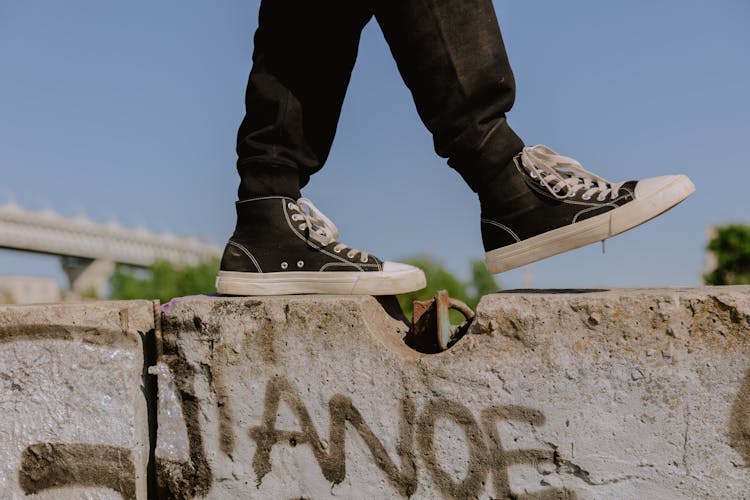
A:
[364,261]
[337,250]
[300,264]
[600,199]
[350,255]
[291,206]
[585,198]
[302,227]
[284,265]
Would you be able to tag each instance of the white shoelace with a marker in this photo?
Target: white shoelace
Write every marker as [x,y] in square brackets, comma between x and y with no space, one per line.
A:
[320,228]
[564,177]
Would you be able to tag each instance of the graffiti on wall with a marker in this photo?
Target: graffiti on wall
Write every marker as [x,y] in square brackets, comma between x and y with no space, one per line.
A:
[416,446]
[58,465]
[487,456]
[739,421]
[48,465]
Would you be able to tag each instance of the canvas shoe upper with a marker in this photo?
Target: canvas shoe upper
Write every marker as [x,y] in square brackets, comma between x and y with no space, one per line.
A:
[562,206]
[286,246]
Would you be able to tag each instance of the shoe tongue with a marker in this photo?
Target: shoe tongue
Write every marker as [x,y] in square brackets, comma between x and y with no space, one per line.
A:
[323,230]
[629,186]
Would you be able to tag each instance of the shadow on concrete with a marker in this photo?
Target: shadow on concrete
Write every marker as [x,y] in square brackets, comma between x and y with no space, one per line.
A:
[390,305]
[545,291]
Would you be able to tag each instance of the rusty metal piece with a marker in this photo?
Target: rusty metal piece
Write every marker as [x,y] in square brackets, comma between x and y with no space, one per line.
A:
[431,318]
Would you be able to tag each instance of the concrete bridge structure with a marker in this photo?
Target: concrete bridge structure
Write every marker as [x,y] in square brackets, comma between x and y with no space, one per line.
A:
[89,250]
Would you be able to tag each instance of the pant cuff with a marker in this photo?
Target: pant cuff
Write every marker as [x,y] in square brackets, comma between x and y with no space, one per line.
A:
[264,179]
[492,157]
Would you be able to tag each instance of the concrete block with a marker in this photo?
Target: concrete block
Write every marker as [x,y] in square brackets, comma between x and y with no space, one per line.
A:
[553,394]
[74,414]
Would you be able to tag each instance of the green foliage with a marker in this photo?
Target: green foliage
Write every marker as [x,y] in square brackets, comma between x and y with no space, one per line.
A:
[439,278]
[7,298]
[731,246]
[90,294]
[164,281]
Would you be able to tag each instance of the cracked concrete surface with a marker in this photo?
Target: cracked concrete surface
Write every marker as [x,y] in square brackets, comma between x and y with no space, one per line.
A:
[572,394]
[625,394]
[74,418]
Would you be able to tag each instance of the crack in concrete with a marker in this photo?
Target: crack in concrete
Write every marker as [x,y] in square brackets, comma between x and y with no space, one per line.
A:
[502,381]
[685,439]
[564,466]
[572,468]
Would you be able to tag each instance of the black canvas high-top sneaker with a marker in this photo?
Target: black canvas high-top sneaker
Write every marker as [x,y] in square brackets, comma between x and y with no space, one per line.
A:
[548,204]
[285,246]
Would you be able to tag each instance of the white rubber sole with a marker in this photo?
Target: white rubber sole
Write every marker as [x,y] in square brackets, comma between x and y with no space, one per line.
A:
[671,190]
[401,278]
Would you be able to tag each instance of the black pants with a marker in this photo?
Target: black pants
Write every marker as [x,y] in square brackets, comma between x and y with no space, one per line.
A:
[450,54]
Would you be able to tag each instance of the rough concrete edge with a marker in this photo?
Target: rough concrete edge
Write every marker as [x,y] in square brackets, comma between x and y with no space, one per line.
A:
[730,301]
[382,327]
[148,329]
[192,478]
[109,321]
[152,348]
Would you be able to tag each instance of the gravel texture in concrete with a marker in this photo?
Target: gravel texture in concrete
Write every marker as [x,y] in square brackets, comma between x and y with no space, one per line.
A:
[74,414]
[552,394]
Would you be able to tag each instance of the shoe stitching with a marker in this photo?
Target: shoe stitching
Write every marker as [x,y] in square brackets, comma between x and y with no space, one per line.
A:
[612,204]
[589,209]
[320,249]
[265,198]
[348,264]
[502,226]
[246,252]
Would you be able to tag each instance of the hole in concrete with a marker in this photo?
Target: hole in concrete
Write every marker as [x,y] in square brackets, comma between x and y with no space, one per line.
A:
[390,305]
[427,343]
[424,344]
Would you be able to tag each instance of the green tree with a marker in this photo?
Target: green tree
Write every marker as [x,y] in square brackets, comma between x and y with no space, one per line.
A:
[731,247]
[439,278]
[163,281]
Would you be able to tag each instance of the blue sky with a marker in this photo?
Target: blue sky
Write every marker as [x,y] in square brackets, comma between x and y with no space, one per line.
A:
[129,110]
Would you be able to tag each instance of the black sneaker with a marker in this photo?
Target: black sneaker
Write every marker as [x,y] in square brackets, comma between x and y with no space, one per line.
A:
[284,246]
[561,206]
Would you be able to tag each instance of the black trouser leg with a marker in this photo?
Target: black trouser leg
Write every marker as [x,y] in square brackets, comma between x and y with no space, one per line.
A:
[452,57]
[304,54]
[449,52]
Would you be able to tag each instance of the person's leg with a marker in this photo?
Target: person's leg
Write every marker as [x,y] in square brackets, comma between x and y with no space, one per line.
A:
[302,61]
[303,58]
[451,56]
[534,203]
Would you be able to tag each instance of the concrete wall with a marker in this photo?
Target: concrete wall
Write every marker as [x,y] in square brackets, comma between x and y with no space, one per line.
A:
[74,420]
[576,394]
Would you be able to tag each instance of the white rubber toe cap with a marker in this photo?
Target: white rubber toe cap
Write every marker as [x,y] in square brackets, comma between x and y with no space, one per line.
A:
[395,278]
[398,267]
[412,275]
[678,184]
